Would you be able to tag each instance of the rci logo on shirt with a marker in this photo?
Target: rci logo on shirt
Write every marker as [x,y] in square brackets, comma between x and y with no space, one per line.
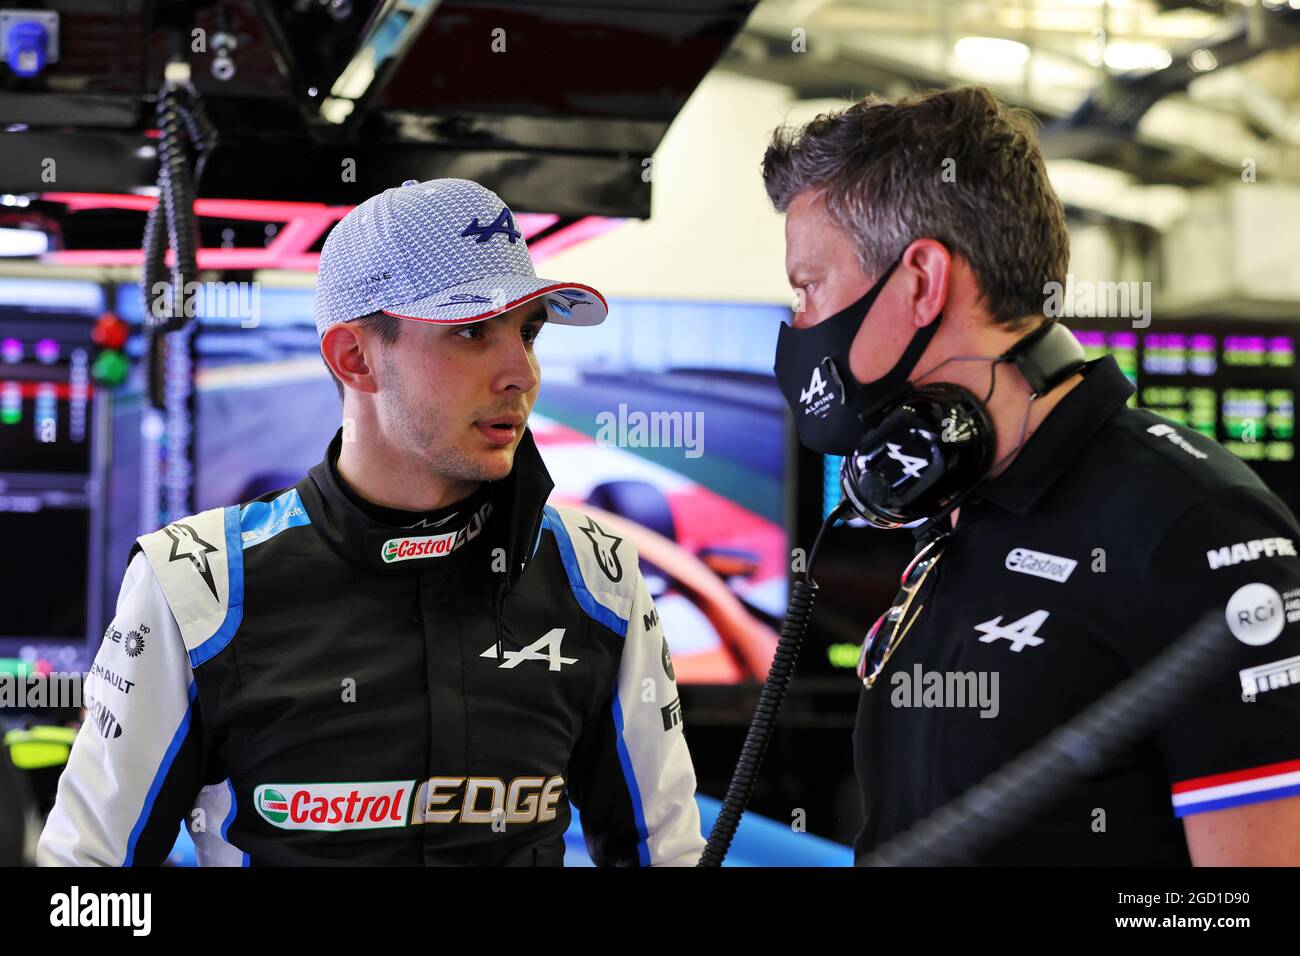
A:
[1254,614]
[334,806]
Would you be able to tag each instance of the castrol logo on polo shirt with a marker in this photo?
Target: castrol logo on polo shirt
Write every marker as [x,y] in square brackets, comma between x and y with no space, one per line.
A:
[429,546]
[334,806]
[1040,565]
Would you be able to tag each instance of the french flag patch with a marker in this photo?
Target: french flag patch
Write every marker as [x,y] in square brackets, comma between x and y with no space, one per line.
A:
[1223,790]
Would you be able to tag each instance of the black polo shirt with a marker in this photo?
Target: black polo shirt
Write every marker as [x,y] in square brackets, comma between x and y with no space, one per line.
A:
[1109,534]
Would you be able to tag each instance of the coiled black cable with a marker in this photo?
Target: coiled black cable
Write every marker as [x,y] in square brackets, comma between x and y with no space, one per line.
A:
[742,783]
[793,630]
[167,295]
[170,223]
[981,816]
[177,198]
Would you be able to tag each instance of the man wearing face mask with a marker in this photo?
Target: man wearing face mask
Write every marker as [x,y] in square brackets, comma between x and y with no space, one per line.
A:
[1064,539]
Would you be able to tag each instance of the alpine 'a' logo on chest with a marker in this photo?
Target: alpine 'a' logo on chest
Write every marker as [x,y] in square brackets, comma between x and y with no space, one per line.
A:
[545,648]
[1022,633]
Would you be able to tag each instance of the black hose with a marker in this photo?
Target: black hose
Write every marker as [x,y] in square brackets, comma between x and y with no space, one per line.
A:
[177,198]
[167,295]
[793,630]
[153,283]
[760,729]
[981,816]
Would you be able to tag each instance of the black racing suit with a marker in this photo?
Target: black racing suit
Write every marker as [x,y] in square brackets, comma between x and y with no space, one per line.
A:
[304,684]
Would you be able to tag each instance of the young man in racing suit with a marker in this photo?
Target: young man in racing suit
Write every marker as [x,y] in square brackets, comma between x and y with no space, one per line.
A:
[409,657]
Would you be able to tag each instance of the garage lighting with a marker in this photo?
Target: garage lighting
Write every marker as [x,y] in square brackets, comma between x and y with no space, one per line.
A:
[1136,56]
[23,242]
[991,52]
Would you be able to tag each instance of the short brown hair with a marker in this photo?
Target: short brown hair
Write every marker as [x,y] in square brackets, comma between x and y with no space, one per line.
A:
[386,326]
[882,166]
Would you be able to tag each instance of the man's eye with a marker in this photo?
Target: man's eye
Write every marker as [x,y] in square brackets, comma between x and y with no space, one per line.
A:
[474,331]
[531,332]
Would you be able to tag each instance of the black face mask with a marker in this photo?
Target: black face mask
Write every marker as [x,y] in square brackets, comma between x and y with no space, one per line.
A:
[832,411]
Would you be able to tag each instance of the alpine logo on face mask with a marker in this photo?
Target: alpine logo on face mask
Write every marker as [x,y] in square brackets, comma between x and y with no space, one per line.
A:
[815,397]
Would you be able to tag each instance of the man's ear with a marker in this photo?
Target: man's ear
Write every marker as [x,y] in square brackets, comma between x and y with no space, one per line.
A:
[344,349]
[931,264]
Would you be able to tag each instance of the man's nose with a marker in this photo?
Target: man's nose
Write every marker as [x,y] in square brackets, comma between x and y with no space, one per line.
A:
[516,367]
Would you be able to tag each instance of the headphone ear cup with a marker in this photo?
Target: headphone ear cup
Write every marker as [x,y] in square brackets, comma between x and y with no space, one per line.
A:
[936,444]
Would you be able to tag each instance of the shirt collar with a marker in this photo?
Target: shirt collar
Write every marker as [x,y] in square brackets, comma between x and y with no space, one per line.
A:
[1060,438]
[517,502]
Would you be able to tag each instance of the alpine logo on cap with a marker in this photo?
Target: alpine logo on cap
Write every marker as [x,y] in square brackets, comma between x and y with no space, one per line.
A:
[503,224]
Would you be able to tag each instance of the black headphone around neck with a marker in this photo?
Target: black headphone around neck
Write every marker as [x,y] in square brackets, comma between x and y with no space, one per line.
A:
[933,447]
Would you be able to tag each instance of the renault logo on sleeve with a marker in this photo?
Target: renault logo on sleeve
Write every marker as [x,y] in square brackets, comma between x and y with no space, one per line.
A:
[1040,565]
[1255,615]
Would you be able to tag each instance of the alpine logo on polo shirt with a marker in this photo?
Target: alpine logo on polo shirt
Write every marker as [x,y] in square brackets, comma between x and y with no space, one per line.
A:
[1253,550]
[334,806]
[1040,565]
[1022,633]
